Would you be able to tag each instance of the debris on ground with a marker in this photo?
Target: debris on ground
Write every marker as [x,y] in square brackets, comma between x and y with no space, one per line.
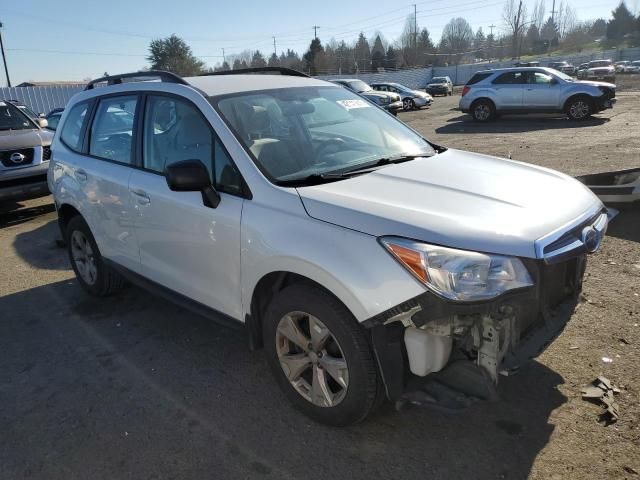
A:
[601,392]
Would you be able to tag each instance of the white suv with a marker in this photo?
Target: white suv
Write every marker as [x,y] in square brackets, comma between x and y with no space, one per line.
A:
[360,255]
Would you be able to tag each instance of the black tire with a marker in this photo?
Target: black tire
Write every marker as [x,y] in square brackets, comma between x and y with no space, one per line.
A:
[450,93]
[579,108]
[483,110]
[107,281]
[363,393]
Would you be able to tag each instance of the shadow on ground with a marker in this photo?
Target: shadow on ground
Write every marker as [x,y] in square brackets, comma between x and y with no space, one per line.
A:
[516,124]
[132,386]
[626,225]
[13,213]
[39,247]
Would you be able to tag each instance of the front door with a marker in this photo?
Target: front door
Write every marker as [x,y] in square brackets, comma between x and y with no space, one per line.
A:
[184,245]
[541,91]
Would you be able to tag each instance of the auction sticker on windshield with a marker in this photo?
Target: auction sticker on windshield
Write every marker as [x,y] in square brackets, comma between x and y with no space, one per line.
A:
[351,104]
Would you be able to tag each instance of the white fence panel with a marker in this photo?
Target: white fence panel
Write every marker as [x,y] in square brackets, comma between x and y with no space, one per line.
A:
[41,99]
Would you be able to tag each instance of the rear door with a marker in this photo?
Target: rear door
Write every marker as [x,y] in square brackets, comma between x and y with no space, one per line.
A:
[509,89]
[103,176]
[186,246]
[541,91]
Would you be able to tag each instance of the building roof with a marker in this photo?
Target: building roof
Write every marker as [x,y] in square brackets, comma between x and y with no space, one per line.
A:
[51,84]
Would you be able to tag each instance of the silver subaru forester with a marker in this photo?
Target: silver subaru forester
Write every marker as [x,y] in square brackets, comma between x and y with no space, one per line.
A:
[363,258]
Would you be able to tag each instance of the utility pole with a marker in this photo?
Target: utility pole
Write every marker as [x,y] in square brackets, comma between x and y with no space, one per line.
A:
[315,31]
[491,27]
[224,59]
[516,31]
[275,52]
[4,58]
[553,12]
[415,31]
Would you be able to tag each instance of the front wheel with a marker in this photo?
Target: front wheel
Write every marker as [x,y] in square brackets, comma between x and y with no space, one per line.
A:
[408,104]
[320,356]
[579,108]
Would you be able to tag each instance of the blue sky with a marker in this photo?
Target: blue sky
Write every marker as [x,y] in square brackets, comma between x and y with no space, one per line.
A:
[76,39]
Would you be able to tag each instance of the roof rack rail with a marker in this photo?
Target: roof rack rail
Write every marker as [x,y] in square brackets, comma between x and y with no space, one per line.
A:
[117,79]
[240,71]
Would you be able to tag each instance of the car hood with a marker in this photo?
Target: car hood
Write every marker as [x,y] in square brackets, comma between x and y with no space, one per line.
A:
[606,67]
[16,139]
[458,199]
[595,84]
[437,85]
[418,93]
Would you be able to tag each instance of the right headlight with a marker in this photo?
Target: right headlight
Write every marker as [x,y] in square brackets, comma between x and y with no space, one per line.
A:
[459,275]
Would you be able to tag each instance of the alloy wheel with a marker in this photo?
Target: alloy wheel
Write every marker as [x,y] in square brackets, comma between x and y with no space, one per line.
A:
[406,104]
[482,112]
[579,109]
[312,359]
[83,257]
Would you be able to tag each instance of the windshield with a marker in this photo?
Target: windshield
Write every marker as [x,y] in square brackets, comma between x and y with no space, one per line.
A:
[27,111]
[359,86]
[53,121]
[438,80]
[13,119]
[563,76]
[600,63]
[297,132]
[402,88]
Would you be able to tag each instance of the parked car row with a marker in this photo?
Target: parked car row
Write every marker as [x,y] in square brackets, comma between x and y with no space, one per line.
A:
[388,95]
[597,70]
[626,66]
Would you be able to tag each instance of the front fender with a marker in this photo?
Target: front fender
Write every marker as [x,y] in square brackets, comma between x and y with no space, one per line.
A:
[350,264]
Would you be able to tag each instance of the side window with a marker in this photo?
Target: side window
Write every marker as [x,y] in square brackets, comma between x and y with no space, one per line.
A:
[174,130]
[540,78]
[71,133]
[510,78]
[112,129]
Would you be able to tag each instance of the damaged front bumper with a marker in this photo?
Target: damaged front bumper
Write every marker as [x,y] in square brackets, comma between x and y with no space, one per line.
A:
[498,335]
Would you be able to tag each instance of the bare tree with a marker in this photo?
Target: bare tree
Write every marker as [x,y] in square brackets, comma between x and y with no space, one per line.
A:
[457,38]
[515,15]
[566,19]
[538,13]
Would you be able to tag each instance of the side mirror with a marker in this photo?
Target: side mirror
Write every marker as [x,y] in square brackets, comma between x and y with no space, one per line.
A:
[192,176]
[42,122]
[554,81]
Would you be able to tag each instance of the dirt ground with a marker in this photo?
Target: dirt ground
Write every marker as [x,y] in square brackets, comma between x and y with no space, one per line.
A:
[133,387]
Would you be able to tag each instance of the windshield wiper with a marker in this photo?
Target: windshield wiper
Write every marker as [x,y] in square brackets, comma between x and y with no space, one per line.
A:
[318,178]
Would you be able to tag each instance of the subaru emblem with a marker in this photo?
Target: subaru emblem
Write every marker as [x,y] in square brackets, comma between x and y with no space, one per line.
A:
[590,239]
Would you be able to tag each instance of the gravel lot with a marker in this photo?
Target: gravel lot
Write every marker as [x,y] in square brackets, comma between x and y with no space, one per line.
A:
[133,387]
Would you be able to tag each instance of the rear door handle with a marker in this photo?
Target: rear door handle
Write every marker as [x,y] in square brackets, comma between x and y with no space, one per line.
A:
[142,197]
[81,175]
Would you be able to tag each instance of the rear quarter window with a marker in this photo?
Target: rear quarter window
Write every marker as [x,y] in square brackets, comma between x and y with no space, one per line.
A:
[478,77]
[74,126]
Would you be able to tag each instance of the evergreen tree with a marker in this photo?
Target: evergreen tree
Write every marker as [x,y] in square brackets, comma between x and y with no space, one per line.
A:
[313,57]
[362,53]
[622,23]
[174,55]
[258,61]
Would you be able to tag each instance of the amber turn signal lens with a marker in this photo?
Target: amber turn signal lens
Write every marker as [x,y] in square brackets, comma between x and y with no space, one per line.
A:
[411,259]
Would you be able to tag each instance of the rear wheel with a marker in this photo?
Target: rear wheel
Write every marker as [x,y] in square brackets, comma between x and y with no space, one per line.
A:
[93,274]
[579,108]
[320,356]
[483,110]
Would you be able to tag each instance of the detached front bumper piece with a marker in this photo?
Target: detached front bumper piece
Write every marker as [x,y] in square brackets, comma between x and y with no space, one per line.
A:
[499,336]
[622,186]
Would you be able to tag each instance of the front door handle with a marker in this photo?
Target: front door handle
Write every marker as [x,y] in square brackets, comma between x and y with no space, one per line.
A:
[141,196]
[81,175]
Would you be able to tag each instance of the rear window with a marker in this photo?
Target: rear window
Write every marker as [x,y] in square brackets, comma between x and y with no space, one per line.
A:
[478,77]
